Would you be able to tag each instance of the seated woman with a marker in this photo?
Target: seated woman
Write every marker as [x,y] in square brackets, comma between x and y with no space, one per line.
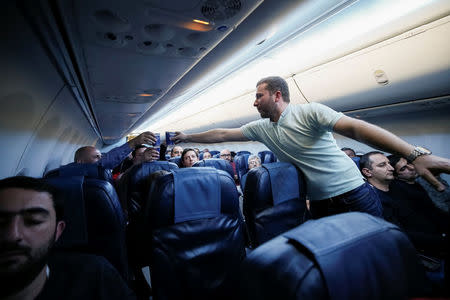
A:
[188,157]
[207,155]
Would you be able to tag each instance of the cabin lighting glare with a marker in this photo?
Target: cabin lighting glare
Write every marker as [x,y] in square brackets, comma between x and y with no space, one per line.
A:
[145,95]
[200,22]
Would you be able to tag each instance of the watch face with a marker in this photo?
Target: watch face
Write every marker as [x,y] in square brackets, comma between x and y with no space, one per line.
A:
[423,150]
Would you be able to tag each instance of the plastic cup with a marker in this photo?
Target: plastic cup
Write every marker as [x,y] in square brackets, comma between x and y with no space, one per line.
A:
[158,139]
[169,134]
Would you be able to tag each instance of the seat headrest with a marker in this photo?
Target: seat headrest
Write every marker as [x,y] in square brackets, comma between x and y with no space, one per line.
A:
[241,162]
[143,170]
[356,248]
[176,160]
[205,185]
[216,163]
[345,256]
[193,189]
[283,180]
[71,189]
[356,159]
[85,170]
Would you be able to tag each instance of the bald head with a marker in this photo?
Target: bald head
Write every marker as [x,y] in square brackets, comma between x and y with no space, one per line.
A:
[225,154]
[87,155]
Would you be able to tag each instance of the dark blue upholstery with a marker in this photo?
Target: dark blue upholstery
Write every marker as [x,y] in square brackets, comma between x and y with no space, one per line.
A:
[241,162]
[242,152]
[134,184]
[214,152]
[217,155]
[197,255]
[345,256]
[94,218]
[85,170]
[217,163]
[176,160]
[267,157]
[274,200]
[356,159]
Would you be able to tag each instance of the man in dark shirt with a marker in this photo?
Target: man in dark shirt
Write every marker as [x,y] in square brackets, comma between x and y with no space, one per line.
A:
[404,207]
[30,223]
[111,159]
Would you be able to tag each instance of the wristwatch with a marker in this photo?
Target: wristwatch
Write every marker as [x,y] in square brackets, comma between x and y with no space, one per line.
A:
[417,151]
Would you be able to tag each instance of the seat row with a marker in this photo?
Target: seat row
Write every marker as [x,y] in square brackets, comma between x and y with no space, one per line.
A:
[188,228]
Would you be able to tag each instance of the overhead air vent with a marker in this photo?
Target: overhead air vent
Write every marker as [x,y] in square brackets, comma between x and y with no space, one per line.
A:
[219,10]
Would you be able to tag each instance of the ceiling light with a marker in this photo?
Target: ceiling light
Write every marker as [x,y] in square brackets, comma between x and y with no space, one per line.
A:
[145,95]
[201,22]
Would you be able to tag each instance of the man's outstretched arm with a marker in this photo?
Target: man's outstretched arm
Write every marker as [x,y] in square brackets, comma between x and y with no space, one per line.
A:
[382,139]
[211,136]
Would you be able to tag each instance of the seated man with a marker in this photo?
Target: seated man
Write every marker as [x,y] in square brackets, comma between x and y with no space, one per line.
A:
[189,157]
[226,154]
[406,172]
[176,151]
[253,161]
[349,151]
[136,157]
[421,227]
[111,159]
[30,223]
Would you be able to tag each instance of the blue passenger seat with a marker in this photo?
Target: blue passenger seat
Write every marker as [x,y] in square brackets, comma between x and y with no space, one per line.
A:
[134,184]
[241,162]
[216,163]
[95,222]
[346,256]
[196,235]
[176,160]
[267,157]
[242,152]
[214,152]
[85,170]
[274,200]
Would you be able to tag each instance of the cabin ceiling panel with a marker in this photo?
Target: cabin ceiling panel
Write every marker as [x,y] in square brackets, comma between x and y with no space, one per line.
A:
[414,65]
[128,48]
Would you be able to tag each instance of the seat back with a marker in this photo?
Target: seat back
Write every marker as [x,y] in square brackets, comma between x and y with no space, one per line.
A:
[267,157]
[346,256]
[216,163]
[84,170]
[274,200]
[176,160]
[242,152]
[214,152]
[197,235]
[95,222]
[356,159]
[241,162]
[134,184]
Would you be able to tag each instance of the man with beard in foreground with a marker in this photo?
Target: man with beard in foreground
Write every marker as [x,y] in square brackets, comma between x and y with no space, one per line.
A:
[30,223]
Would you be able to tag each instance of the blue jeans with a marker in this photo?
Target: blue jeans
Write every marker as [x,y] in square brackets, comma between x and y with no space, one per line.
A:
[363,199]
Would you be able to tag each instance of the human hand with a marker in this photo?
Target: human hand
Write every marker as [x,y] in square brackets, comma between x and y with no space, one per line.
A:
[151,154]
[179,137]
[428,165]
[146,137]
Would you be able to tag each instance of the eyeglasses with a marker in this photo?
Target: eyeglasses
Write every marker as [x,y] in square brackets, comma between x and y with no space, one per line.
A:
[223,155]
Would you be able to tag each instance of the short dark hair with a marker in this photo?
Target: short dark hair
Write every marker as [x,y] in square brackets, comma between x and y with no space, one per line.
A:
[365,161]
[274,84]
[38,185]
[346,149]
[133,154]
[393,160]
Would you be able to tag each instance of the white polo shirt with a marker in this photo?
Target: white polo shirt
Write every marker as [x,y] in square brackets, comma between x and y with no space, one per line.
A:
[302,136]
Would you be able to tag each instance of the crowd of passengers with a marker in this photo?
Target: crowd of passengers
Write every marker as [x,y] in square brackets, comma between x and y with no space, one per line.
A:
[31,214]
